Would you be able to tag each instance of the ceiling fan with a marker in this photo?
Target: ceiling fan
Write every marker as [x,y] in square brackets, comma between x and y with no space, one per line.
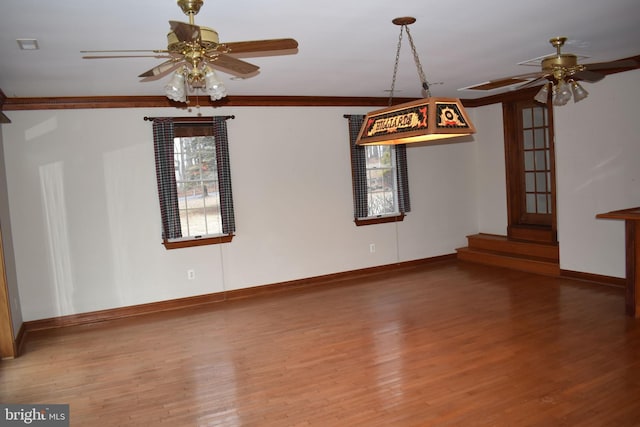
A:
[561,67]
[194,51]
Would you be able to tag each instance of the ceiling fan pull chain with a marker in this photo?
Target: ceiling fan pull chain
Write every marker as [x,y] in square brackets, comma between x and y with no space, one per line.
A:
[395,67]
[423,78]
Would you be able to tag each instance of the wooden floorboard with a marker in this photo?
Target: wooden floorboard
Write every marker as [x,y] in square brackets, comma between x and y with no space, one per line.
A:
[448,344]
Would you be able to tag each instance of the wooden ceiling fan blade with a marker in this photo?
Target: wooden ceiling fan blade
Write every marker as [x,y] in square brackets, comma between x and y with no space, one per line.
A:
[611,65]
[233,65]
[259,46]
[504,82]
[161,70]
[185,32]
[588,76]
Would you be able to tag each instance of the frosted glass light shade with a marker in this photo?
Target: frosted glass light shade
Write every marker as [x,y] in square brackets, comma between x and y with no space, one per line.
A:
[543,94]
[175,89]
[561,93]
[579,93]
[214,86]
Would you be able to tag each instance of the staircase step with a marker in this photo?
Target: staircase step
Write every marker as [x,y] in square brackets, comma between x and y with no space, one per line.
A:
[497,243]
[513,261]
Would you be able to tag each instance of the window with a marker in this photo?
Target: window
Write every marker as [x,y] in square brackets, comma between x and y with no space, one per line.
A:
[194,181]
[380,184]
[382,194]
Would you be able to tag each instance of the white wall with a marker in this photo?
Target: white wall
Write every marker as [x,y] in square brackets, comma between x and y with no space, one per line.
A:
[598,170]
[490,178]
[86,228]
[85,216]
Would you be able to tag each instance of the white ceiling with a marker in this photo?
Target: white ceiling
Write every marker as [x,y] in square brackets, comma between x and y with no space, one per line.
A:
[346,47]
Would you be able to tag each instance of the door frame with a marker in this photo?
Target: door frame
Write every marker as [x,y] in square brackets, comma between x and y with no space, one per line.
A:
[518,228]
[8,346]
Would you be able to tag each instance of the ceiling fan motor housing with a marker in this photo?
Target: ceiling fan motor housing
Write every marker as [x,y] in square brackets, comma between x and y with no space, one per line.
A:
[208,40]
[562,65]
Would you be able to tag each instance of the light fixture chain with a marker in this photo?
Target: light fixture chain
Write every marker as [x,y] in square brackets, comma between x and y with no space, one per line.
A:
[423,78]
[395,67]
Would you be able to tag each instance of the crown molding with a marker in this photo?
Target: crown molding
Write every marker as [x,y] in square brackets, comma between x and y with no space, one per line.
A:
[90,102]
[73,103]
[3,119]
[61,103]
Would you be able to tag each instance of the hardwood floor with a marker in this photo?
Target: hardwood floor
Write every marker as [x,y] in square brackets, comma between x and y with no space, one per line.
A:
[448,344]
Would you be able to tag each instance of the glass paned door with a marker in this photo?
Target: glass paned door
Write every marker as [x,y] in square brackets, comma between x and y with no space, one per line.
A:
[530,168]
[536,160]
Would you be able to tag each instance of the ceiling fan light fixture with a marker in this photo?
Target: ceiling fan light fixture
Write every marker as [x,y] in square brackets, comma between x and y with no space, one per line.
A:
[213,86]
[563,89]
[579,93]
[424,120]
[176,88]
[185,81]
[561,93]
[543,94]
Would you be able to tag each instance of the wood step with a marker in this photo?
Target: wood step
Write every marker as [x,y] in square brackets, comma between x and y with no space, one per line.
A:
[497,243]
[519,262]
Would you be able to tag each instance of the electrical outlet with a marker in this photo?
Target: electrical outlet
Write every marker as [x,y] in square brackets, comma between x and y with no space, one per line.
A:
[372,247]
[191,274]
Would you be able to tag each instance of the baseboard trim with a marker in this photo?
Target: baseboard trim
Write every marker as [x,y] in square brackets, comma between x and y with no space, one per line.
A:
[121,312]
[19,343]
[596,278]
[181,303]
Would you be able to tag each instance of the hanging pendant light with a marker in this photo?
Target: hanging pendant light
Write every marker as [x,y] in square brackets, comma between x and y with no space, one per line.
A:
[424,120]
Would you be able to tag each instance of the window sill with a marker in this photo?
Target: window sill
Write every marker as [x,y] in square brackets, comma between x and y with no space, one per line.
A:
[197,242]
[378,220]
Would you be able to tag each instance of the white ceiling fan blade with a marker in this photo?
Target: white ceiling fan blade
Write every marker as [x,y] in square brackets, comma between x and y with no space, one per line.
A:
[506,81]
[124,56]
[535,82]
